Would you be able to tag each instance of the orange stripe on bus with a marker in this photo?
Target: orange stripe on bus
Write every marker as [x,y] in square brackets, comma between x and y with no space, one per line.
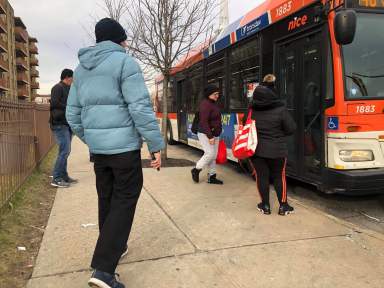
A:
[364,122]
[172,116]
[338,71]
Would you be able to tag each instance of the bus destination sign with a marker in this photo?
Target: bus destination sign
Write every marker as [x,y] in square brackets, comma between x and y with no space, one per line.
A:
[366,4]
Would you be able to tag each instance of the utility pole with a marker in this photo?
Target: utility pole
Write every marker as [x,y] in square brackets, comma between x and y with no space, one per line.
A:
[224,17]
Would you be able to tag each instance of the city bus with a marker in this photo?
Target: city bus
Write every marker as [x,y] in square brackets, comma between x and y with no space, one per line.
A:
[334,91]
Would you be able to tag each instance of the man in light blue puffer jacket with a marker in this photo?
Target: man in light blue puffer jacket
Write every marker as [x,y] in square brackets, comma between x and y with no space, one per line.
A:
[109,109]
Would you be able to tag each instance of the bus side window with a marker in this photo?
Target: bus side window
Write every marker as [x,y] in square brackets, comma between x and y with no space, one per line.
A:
[244,73]
[215,69]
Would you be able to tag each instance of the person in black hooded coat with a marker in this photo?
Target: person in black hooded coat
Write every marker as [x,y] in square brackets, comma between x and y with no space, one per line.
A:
[274,123]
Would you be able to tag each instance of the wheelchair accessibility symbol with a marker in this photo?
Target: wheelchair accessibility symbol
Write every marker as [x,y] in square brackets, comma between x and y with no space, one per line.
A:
[333,123]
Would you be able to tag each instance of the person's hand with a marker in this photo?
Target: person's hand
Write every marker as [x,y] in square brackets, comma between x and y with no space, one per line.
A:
[156,160]
[212,141]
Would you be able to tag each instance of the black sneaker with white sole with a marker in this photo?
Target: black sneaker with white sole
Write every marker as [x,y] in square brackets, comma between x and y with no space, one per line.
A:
[264,208]
[285,209]
[100,279]
[60,183]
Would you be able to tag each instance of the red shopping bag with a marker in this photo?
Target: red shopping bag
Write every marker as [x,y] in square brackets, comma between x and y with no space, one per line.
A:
[221,153]
[245,142]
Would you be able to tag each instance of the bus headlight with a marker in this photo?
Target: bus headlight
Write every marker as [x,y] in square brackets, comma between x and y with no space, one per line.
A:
[356,155]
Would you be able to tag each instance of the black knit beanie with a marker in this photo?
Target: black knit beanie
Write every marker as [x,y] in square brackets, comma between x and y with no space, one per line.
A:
[210,89]
[109,29]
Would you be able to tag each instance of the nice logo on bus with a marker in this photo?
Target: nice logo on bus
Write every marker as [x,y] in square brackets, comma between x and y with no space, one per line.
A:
[297,22]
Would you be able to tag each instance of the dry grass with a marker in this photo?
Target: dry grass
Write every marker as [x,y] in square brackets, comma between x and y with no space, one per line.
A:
[22,223]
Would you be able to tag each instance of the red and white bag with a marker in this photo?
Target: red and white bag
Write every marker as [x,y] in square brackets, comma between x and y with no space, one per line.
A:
[245,142]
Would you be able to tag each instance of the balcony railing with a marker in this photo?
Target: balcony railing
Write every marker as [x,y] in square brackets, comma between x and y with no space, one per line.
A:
[22,92]
[22,63]
[33,49]
[4,83]
[21,34]
[34,72]
[3,24]
[3,44]
[35,85]
[3,7]
[22,77]
[4,66]
[21,48]
[34,61]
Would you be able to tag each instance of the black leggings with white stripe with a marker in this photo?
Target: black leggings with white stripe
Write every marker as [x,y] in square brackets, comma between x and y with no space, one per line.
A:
[267,169]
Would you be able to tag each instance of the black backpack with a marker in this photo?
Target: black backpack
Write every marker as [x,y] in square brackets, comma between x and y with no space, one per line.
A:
[195,123]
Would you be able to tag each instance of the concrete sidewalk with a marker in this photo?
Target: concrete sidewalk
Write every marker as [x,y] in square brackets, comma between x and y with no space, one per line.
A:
[198,235]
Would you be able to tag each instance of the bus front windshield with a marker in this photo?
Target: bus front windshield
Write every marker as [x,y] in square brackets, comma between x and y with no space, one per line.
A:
[364,59]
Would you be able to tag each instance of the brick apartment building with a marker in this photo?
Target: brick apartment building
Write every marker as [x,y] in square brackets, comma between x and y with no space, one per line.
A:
[18,57]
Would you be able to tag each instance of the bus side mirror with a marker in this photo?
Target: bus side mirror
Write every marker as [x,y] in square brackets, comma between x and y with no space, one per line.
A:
[345,26]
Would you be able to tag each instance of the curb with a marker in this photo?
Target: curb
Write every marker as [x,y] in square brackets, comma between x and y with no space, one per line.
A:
[342,222]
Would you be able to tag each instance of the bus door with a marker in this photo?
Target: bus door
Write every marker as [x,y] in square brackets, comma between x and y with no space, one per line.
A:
[299,78]
[182,116]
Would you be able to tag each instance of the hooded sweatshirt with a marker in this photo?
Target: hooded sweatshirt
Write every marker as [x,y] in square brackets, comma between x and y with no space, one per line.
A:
[210,119]
[109,105]
[273,122]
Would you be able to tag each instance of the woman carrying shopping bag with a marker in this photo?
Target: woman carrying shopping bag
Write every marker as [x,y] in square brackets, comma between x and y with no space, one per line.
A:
[274,124]
[209,131]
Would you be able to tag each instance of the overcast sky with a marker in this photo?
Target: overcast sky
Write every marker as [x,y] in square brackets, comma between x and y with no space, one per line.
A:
[61,29]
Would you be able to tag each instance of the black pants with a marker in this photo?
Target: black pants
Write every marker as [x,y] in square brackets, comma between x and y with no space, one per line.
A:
[267,169]
[119,180]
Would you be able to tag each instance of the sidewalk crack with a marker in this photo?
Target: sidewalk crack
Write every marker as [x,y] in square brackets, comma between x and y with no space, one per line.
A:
[172,221]
[197,252]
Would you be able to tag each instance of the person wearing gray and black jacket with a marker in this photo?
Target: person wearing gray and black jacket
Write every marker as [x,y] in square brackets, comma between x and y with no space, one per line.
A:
[61,130]
[274,123]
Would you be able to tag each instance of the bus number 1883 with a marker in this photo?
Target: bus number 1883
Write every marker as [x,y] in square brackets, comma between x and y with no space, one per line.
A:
[283,9]
[366,109]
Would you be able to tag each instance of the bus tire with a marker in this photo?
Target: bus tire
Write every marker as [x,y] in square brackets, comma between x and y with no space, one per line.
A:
[170,140]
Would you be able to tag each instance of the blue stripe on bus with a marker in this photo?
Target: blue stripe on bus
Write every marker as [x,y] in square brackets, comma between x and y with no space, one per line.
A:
[223,43]
[241,33]
[252,27]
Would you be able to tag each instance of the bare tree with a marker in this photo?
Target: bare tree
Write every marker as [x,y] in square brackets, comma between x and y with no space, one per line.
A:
[115,9]
[160,32]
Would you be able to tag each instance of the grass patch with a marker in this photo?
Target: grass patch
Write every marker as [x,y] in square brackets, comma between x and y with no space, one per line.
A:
[22,224]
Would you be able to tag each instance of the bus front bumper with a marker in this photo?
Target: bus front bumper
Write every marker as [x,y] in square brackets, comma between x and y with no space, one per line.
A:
[355,182]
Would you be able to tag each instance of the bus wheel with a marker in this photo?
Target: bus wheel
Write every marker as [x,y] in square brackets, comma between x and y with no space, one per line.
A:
[170,135]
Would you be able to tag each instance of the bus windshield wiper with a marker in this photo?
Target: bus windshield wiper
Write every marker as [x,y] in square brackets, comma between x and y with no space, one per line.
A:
[359,82]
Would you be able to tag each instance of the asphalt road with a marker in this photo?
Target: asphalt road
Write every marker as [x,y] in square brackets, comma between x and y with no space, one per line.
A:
[364,211]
